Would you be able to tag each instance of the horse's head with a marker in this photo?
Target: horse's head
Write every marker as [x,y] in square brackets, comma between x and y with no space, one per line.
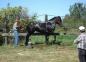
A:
[58,21]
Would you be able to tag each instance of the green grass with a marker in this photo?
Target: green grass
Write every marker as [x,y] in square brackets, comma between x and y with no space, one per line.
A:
[40,53]
[63,39]
[66,39]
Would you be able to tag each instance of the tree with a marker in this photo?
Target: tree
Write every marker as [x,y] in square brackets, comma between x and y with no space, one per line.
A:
[9,14]
[77,15]
[77,10]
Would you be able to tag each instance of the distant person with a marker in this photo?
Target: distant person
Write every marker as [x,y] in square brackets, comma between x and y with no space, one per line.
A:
[81,44]
[16,28]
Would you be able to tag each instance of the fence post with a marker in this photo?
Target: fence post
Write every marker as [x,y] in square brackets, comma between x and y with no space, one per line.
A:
[46,37]
[46,18]
[5,29]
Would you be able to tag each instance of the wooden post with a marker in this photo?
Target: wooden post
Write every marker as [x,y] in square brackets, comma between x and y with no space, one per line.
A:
[46,18]
[5,28]
[6,23]
[46,36]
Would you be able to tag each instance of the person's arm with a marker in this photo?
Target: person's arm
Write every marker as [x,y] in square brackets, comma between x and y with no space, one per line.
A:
[18,26]
[77,40]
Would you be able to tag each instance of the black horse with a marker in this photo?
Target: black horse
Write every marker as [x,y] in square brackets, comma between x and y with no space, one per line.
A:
[43,28]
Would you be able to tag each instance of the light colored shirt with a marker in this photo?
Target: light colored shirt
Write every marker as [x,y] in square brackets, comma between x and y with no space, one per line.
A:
[15,26]
[81,41]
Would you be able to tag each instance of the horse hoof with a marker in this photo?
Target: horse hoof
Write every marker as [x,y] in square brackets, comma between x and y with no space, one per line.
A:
[28,46]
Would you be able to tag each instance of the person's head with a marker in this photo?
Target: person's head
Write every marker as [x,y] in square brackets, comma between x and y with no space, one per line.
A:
[82,29]
[17,19]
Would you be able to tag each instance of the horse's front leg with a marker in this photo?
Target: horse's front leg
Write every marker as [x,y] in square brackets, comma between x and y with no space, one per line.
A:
[27,39]
[28,44]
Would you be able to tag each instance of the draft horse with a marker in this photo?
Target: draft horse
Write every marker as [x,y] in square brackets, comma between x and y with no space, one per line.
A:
[43,28]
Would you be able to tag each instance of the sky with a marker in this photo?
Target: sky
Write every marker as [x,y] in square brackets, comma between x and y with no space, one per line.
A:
[42,7]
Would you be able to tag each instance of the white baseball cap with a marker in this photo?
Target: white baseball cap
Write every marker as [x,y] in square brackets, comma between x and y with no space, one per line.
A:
[81,28]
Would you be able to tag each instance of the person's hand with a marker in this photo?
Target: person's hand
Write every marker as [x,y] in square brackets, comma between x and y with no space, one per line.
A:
[22,29]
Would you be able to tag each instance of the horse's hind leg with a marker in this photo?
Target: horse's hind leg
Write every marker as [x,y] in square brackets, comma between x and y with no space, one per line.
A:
[54,39]
[28,44]
[47,39]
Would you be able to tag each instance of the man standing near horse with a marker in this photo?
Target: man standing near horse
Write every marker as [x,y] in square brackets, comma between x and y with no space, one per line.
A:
[81,44]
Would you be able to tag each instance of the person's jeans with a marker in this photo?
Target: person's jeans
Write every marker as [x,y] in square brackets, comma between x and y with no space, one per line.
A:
[82,55]
[16,38]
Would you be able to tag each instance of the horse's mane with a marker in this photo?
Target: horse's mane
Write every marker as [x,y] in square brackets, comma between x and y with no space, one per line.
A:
[56,19]
[52,19]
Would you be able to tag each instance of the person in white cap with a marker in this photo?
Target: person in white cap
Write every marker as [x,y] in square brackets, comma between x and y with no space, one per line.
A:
[81,44]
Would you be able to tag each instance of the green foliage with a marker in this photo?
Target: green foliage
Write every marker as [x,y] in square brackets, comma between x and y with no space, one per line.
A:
[76,10]
[9,14]
[76,17]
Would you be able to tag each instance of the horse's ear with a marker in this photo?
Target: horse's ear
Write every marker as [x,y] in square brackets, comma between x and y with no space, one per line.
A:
[58,20]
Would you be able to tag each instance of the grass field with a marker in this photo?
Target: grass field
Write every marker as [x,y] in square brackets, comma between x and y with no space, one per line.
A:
[66,52]
[40,53]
